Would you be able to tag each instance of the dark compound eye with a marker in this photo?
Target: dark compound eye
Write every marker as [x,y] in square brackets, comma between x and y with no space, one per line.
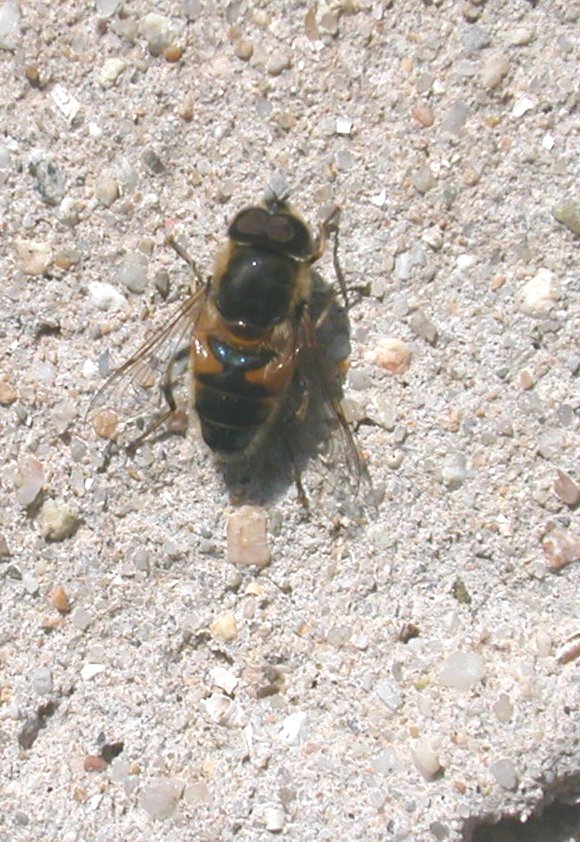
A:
[280,229]
[251,223]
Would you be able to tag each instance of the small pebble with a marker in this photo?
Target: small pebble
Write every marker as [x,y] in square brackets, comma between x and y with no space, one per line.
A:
[173,53]
[454,470]
[57,520]
[197,793]
[41,681]
[49,182]
[7,393]
[153,162]
[505,773]
[160,799]
[29,480]
[34,257]
[132,271]
[462,670]
[343,125]
[522,105]
[540,294]
[494,70]
[426,759]
[186,109]
[225,679]
[94,763]
[390,694]
[60,600]
[568,213]
[225,627]
[279,62]
[391,354]
[9,25]
[423,114]
[561,549]
[106,191]
[423,179]
[111,71]
[423,327]
[90,671]
[456,118]
[157,31]
[503,708]
[107,8]
[30,584]
[294,727]
[4,548]
[105,424]
[69,211]
[244,49]
[247,539]
[520,36]
[81,619]
[433,237]
[274,819]
[105,296]
[566,489]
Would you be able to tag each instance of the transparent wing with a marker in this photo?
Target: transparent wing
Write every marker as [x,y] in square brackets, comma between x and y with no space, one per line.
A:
[144,383]
[338,461]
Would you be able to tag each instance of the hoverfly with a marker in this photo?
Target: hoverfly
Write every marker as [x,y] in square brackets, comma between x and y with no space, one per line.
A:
[252,333]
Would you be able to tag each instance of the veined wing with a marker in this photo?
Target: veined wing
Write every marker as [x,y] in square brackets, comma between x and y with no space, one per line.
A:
[144,382]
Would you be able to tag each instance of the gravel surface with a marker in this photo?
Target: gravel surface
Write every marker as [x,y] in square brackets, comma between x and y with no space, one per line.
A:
[174,667]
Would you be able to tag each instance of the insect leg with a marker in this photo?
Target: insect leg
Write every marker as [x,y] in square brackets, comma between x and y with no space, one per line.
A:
[185,255]
[301,493]
[329,226]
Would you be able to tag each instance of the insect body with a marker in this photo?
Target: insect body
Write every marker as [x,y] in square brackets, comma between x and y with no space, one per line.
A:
[253,339]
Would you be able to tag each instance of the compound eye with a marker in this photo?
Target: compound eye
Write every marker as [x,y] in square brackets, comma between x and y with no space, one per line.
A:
[280,229]
[249,223]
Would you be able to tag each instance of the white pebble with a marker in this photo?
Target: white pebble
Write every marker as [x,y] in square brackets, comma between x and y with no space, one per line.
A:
[90,671]
[494,70]
[106,191]
[132,271]
[522,105]
[539,295]
[9,25]
[462,670]
[29,480]
[106,8]
[425,759]
[505,773]
[274,819]
[110,72]
[343,125]
[224,679]
[105,296]
[454,470]
[294,728]
[34,256]
[57,520]
[156,29]
[390,694]
[42,681]
[69,211]
[391,354]
[225,627]
[81,619]
[520,36]
[160,799]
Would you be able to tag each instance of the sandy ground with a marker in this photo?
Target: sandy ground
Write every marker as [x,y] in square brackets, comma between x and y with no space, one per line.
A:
[407,673]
